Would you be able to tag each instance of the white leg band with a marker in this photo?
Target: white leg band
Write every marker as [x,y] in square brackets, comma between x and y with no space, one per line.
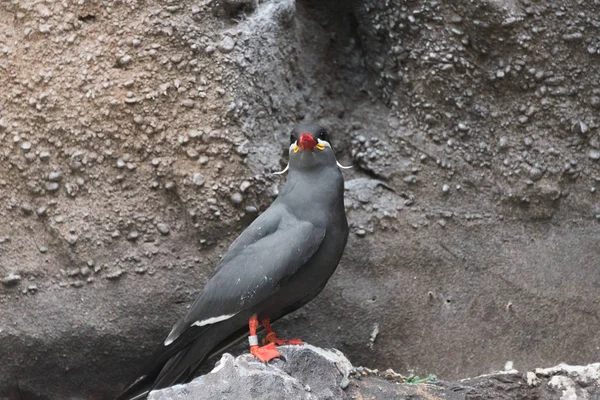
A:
[253,340]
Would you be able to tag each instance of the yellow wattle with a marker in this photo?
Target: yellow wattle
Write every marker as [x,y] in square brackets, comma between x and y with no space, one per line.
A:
[296,148]
[320,146]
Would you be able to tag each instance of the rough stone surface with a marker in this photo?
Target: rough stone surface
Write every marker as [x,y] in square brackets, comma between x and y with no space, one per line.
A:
[308,372]
[313,373]
[472,128]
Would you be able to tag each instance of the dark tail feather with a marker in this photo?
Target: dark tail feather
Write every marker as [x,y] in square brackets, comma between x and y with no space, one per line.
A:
[178,362]
[176,370]
[138,389]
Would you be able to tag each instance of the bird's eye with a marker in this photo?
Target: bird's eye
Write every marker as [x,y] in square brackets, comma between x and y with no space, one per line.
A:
[323,134]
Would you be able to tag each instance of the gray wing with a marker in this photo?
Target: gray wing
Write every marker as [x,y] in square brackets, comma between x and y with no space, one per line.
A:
[270,250]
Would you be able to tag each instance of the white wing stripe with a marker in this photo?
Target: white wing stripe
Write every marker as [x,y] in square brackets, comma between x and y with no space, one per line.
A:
[213,320]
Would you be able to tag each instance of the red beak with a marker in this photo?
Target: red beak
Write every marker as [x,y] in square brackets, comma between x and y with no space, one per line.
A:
[306,142]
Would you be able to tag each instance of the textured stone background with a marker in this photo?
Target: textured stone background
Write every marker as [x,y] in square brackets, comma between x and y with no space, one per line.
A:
[138,138]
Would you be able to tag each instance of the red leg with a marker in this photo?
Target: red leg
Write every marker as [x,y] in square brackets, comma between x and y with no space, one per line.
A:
[272,336]
[264,353]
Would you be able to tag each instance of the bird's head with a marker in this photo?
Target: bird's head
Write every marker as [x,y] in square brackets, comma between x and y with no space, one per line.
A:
[310,147]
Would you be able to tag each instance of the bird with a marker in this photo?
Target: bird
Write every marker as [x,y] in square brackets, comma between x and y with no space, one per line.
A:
[279,263]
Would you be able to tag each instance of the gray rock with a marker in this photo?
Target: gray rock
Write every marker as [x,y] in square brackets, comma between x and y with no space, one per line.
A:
[308,372]
[163,228]
[226,45]
[312,373]
[198,179]
[237,198]
[55,176]
[11,280]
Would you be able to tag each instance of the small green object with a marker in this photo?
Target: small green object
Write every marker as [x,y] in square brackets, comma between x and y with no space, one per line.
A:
[415,379]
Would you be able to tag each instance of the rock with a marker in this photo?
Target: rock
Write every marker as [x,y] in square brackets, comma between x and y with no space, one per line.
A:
[198,179]
[55,176]
[227,44]
[237,198]
[11,280]
[133,236]
[308,372]
[163,228]
[124,60]
[580,127]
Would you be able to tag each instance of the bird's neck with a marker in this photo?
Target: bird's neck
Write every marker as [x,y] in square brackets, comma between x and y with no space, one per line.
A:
[318,191]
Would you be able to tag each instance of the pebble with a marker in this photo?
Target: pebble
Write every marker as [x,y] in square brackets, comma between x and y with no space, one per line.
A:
[503,142]
[446,188]
[11,279]
[44,156]
[27,208]
[344,382]
[194,133]
[361,233]
[51,186]
[202,160]
[237,198]
[26,146]
[116,274]
[32,288]
[55,176]
[163,228]
[72,239]
[125,60]
[189,103]
[133,235]
[594,155]
[198,179]
[227,44]
[410,179]
[244,186]
[251,210]
[170,185]
[191,153]
[535,174]
[72,189]
[242,149]
[141,270]
[580,128]
[77,284]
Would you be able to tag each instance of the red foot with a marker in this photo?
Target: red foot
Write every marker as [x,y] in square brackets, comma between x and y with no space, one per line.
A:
[265,353]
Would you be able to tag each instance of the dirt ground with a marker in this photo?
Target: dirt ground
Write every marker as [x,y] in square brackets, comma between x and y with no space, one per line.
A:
[138,138]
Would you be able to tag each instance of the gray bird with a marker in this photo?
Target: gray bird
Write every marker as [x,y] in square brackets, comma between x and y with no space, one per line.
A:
[278,264]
